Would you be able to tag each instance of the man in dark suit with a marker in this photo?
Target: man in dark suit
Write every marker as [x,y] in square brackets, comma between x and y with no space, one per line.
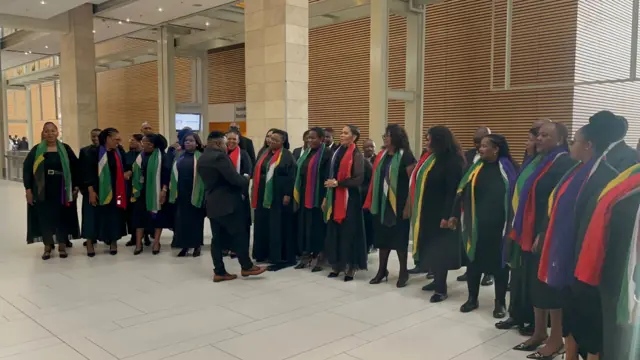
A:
[224,189]
[298,151]
[328,139]
[245,144]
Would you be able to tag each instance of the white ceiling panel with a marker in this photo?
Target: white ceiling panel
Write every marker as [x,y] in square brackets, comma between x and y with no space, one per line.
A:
[148,11]
[42,9]
[11,59]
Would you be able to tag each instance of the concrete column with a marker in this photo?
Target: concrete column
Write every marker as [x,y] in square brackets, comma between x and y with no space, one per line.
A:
[379,68]
[414,80]
[202,90]
[277,67]
[78,78]
[166,84]
[3,125]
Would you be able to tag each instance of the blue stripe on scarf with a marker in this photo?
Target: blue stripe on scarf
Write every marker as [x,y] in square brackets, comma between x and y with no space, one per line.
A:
[512,175]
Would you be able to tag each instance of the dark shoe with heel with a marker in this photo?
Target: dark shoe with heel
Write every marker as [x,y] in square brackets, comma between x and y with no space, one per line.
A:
[436,298]
[539,356]
[196,252]
[138,251]
[46,255]
[430,286]
[183,253]
[379,277]
[469,306]
[403,279]
[487,280]
[499,310]
[156,251]
[333,274]
[415,271]
[508,324]
[529,347]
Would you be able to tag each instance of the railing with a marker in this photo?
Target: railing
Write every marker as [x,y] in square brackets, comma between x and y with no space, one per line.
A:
[15,159]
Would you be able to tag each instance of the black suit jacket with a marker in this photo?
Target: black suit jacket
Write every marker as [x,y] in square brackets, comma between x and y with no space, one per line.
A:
[246,144]
[297,152]
[223,185]
[469,155]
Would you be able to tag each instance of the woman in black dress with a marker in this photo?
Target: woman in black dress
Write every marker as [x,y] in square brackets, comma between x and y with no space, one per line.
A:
[105,179]
[531,207]
[244,166]
[484,196]
[271,197]
[346,246]
[186,190]
[387,200]
[135,147]
[308,193]
[267,140]
[151,174]
[51,182]
[436,178]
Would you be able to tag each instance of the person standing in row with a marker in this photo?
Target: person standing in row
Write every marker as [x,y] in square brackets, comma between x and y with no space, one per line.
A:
[244,143]
[88,211]
[346,246]
[265,145]
[369,152]
[434,183]
[105,180]
[484,210]
[328,139]
[151,175]
[531,205]
[388,201]
[51,181]
[271,197]
[297,152]
[225,189]
[244,166]
[135,148]
[186,189]
[308,193]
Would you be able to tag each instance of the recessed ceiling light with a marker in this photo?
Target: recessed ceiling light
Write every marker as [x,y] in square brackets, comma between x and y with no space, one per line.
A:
[26,53]
[160,9]
[94,31]
[119,22]
[29,51]
[43,2]
[207,23]
[46,46]
[128,20]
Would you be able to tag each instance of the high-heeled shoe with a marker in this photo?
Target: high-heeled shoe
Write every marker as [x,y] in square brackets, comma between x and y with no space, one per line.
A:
[316,268]
[91,253]
[183,252]
[333,274]
[378,279]
[403,279]
[348,278]
[538,356]
[530,347]
[138,251]
[196,252]
[156,252]
[113,249]
[46,255]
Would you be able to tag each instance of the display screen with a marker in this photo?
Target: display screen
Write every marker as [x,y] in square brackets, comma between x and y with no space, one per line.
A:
[188,120]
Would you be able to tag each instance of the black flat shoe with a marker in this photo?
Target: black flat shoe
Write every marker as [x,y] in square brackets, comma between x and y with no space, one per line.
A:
[499,310]
[333,274]
[63,254]
[462,277]
[316,268]
[415,271]
[430,286]
[531,347]
[469,306]
[436,298]
[196,252]
[183,252]
[348,278]
[91,254]
[138,251]
[378,279]
[508,324]
[487,280]
[539,356]
[527,330]
[402,280]
[46,255]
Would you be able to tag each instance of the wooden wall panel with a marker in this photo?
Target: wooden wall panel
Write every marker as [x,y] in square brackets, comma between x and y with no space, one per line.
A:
[183,83]
[121,44]
[226,76]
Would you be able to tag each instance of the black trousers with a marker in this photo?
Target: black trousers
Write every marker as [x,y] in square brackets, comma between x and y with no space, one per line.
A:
[229,232]
[440,281]
[501,277]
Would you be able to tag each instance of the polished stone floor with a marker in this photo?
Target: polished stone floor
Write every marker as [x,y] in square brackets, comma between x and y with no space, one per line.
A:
[163,307]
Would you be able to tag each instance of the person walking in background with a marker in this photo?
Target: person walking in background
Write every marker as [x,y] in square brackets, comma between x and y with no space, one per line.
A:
[271,198]
[369,149]
[245,143]
[244,166]
[346,246]
[51,181]
[434,183]
[483,209]
[531,205]
[225,189]
[389,204]
[186,190]
[308,193]
[299,150]
[151,175]
[89,213]
[105,176]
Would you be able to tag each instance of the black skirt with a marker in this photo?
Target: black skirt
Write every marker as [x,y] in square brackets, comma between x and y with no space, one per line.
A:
[110,223]
[89,219]
[394,237]
[346,246]
[143,219]
[439,249]
[582,317]
[189,226]
[543,296]
[311,230]
[49,219]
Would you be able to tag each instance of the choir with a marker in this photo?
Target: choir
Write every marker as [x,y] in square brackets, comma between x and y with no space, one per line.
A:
[560,231]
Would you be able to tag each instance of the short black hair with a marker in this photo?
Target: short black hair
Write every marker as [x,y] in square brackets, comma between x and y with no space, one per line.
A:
[104,134]
[215,135]
[328,129]
[138,137]
[318,130]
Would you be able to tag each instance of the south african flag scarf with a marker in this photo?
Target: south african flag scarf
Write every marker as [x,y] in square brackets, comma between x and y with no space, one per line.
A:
[388,179]
[594,248]
[66,196]
[338,197]
[105,189]
[267,200]
[150,180]
[417,185]
[313,180]
[197,193]
[468,182]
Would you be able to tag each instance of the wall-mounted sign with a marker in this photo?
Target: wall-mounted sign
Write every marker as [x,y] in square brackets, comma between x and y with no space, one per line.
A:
[240,112]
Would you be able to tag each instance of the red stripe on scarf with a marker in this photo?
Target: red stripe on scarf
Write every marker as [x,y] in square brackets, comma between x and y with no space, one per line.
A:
[528,237]
[344,173]
[594,247]
[257,172]
[311,182]
[543,269]
[234,155]
[121,192]
[367,203]
[412,190]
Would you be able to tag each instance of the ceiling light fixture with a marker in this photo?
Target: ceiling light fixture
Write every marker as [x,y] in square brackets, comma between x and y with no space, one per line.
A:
[128,20]
[26,53]
[46,46]
[119,22]
[207,23]
[94,31]
[43,2]
[30,52]
[160,9]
